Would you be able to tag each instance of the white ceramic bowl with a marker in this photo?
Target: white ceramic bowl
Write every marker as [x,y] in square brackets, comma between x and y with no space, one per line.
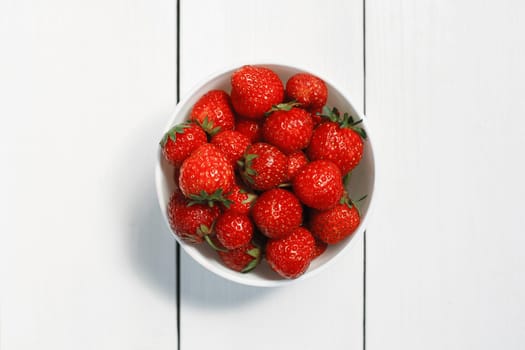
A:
[361,183]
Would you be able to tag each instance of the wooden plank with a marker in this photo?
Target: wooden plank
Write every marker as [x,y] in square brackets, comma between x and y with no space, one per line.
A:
[86,261]
[324,312]
[445,252]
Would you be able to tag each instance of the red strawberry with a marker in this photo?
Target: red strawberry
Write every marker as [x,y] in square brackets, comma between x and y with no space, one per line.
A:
[233,230]
[320,248]
[277,213]
[242,259]
[334,225]
[319,184]
[213,112]
[263,167]
[307,89]
[315,114]
[288,128]
[291,256]
[232,144]
[178,143]
[339,140]
[206,175]
[240,200]
[255,90]
[250,128]
[190,222]
[296,161]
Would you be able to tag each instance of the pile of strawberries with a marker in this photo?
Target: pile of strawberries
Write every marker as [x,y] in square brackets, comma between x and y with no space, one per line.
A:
[261,172]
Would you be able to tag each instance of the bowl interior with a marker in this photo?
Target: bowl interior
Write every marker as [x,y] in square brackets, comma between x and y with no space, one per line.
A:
[361,183]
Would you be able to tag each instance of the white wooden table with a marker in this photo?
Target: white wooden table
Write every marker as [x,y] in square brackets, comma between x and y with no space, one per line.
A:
[86,261]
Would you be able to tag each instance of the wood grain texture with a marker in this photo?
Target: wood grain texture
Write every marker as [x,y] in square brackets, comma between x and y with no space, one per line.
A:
[445,251]
[85,259]
[324,312]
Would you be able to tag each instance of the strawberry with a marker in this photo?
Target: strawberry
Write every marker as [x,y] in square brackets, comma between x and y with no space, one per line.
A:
[333,225]
[315,114]
[206,175]
[213,112]
[288,128]
[263,166]
[296,161]
[242,259]
[240,200]
[233,230]
[190,222]
[290,256]
[255,90]
[250,128]
[277,213]
[339,140]
[320,248]
[232,144]
[178,143]
[307,89]
[319,184]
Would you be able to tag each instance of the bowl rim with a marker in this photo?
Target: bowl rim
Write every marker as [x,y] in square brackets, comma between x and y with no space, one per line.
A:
[201,259]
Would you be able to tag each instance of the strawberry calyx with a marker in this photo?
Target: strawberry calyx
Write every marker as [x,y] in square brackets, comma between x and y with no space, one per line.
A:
[344,121]
[172,133]
[210,199]
[189,238]
[207,126]
[251,197]
[204,230]
[286,106]
[346,179]
[255,253]
[247,172]
[346,200]
[212,244]
[206,233]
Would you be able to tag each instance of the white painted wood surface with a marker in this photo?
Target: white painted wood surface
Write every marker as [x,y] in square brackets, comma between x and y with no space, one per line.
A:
[85,259]
[445,261]
[324,312]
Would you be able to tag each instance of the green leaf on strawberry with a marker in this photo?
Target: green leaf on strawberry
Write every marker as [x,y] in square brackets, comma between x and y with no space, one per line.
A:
[345,121]
[172,133]
[256,254]
[213,245]
[245,165]
[286,106]
[346,200]
[250,198]
[204,198]
[207,125]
